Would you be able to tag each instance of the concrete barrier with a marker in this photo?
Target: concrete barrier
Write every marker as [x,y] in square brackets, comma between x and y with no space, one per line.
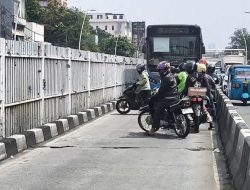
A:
[235,136]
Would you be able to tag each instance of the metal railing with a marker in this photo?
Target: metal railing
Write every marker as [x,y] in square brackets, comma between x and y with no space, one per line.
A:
[40,83]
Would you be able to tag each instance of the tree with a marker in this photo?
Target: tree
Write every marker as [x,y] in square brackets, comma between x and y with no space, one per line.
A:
[124,46]
[62,25]
[33,10]
[237,40]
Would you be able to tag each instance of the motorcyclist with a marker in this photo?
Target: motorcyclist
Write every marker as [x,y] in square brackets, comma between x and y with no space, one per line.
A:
[210,72]
[207,81]
[203,61]
[143,90]
[199,79]
[181,78]
[191,69]
[165,97]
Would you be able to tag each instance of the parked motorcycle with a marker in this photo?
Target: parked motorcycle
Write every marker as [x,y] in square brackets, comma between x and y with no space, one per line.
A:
[175,117]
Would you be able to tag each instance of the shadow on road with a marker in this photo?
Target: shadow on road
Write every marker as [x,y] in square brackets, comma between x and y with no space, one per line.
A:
[240,104]
[145,135]
[128,114]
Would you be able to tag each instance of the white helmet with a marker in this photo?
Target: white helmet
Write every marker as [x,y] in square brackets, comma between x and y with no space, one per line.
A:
[140,67]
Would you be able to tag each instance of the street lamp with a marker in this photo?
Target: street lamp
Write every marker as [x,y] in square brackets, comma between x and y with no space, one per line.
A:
[80,38]
[116,42]
[241,30]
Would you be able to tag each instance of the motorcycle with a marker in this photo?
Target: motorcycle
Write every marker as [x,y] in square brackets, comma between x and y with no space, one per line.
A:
[175,117]
[129,101]
[199,102]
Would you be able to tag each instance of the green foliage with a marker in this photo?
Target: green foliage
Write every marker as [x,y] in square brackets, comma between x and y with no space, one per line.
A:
[63,26]
[33,11]
[237,40]
[124,46]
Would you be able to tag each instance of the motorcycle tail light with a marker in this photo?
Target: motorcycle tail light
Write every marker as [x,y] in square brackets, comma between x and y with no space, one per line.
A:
[197,99]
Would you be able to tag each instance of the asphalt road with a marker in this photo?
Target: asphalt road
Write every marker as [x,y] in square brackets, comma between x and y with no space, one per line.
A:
[113,153]
[244,111]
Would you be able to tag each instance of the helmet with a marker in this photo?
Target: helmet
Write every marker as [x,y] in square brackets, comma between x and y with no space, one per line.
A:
[203,61]
[182,67]
[190,66]
[201,68]
[163,65]
[210,68]
[140,67]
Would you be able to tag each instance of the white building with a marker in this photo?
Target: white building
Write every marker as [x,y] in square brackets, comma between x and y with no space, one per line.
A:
[34,32]
[44,3]
[115,24]
[12,16]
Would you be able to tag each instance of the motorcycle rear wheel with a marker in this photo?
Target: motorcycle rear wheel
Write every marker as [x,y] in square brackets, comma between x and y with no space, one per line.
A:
[123,106]
[181,128]
[196,125]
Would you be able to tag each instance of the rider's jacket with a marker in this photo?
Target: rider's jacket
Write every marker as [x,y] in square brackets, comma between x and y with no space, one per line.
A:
[168,88]
[199,80]
[144,81]
[182,77]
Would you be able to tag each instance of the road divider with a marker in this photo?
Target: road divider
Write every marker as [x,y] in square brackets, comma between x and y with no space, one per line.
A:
[235,135]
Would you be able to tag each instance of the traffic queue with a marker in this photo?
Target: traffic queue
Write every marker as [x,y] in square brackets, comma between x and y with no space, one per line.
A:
[184,97]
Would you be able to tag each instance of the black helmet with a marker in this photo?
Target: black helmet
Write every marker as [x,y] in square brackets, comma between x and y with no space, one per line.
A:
[182,67]
[190,66]
[210,68]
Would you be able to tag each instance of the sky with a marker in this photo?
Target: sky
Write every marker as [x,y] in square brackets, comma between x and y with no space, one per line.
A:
[217,18]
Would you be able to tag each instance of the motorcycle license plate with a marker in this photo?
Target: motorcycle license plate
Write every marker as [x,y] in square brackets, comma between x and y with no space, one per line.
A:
[205,101]
[187,111]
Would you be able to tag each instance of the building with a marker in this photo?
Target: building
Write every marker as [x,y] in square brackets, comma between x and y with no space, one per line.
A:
[138,35]
[12,19]
[44,3]
[115,24]
[34,32]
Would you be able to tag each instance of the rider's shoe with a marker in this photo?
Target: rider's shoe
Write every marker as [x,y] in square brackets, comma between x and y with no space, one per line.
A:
[151,132]
[211,126]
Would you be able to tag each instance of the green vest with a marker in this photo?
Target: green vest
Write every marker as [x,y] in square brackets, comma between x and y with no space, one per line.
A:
[182,78]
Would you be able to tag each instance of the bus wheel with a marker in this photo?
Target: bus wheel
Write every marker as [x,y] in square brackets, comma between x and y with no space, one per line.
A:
[244,102]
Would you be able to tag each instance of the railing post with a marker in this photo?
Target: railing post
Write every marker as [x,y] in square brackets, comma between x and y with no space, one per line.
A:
[115,77]
[2,87]
[42,86]
[103,79]
[89,78]
[69,80]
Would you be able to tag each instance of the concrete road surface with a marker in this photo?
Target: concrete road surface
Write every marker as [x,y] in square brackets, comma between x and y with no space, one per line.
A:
[112,153]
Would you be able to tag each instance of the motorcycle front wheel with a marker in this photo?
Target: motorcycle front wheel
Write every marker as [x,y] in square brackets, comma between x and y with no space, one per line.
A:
[181,128]
[123,106]
[145,120]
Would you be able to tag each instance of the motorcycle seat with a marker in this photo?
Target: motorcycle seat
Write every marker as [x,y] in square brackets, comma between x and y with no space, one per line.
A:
[179,102]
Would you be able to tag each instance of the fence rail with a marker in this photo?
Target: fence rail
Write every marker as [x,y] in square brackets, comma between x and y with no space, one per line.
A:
[40,83]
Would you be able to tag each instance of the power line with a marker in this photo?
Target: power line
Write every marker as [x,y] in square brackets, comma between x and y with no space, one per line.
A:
[5,13]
